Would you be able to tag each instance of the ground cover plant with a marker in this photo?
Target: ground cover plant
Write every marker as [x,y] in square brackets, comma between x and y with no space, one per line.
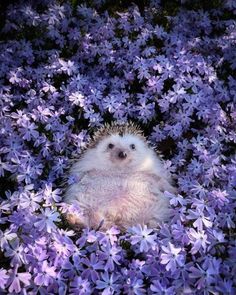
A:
[69,67]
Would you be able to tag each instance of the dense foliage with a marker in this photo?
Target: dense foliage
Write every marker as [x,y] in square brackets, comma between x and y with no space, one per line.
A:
[66,68]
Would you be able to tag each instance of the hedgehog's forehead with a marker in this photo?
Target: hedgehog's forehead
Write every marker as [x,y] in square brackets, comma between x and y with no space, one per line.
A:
[123,138]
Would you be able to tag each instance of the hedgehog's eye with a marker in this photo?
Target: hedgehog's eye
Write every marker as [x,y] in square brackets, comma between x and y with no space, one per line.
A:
[110,146]
[132,146]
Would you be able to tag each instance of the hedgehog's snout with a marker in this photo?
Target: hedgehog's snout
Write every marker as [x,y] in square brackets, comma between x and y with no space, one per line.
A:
[122,155]
[119,154]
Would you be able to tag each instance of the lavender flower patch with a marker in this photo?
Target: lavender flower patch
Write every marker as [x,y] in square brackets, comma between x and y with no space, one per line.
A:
[66,69]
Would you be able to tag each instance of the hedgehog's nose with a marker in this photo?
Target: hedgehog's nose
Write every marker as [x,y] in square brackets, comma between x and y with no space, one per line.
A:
[122,155]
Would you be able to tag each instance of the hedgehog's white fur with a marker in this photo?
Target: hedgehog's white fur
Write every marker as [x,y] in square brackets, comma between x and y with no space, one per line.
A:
[115,191]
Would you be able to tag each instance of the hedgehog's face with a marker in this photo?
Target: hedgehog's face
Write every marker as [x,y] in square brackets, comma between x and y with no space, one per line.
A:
[127,151]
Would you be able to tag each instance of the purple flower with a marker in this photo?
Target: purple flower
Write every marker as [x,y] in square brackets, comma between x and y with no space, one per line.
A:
[47,219]
[29,131]
[16,252]
[145,110]
[139,266]
[134,286]
[171,257]
[47,88]
[51,195]
[219,198]
[62,249]
[158,288]
[80,286]
[89,236]
[179,233]
[25,174]
[15,77]
[45,274]
[92,266]
[77,98]
[202,275]
[67,208]
[4,166]
[174,131]
[201,219]
[6,237]
[157,134]
[176,200]
[198,239]
[73,179]
[108,283]
[225,287]
[67,67]
[30,201]
[110,254]
[156,84]
[3,278]
[111,235]
[142,237]
[17,279]
[59,285]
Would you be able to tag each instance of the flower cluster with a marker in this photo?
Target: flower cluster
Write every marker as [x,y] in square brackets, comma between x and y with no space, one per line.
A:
[66,69]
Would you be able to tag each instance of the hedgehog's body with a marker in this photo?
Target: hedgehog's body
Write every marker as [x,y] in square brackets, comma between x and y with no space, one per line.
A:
[120,181]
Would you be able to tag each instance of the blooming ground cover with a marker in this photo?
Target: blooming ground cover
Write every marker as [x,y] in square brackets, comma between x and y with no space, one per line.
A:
[67,68]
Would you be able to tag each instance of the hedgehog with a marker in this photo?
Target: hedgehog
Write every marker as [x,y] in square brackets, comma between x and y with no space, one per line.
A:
[120,181]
